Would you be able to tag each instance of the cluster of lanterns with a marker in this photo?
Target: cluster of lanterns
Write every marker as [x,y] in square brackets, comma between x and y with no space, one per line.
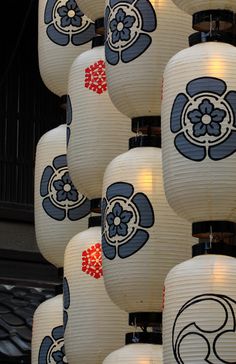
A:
[143,168]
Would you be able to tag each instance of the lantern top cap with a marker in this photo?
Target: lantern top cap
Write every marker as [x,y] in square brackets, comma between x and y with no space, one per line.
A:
[143,338]
[202,37]
[220,19]
[219,248]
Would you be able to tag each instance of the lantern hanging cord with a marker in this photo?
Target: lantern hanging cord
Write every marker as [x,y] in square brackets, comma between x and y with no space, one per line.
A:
[12,57]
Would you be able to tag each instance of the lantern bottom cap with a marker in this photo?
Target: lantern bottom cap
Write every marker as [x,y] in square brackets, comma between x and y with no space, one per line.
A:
[145,319]
[95,205]
[143,338]
[99,26]
[150,125]
[219,229]
[218,248]
[222,20]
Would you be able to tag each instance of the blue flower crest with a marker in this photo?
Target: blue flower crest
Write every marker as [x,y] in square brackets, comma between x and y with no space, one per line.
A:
[67,23]
[52,348]
[68,118]
[204,120]
[127,25]
[66,301]
[126,216]
[60,199]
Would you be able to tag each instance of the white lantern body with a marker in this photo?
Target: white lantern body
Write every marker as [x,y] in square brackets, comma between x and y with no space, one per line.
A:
[93,9]
[48,333]
[200,310]
[136,57]
[136,354]
[63,33]
[60,210]
[199,132]
[192,6]
[94,326]
[142,236]
[98,131]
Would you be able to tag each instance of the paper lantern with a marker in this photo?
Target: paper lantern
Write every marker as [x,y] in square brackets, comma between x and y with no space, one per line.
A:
[199,137]
[48,333]
[98,131]
[63,33]
[218,13]
[200,311]
[60,210]
[140,352]
[141,36]
[94,326]
[142,236]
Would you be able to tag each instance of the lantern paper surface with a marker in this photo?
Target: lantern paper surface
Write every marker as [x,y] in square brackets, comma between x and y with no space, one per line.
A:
[142,236]
[98,131]
[136,354]
[93,9]
[63,33]
[200,311]
[199,132]
[141,38]
[193,6]
[94,326]
[60,210]
[48,333]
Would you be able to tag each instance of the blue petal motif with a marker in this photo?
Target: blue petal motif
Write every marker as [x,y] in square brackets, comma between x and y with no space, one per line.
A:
[117,209]
[122,229]
[231,99]
[84,37]
[115,36]
[110,218]
[145,210]
[58,184]
[61,195]
[206,107]
[62,11]
[72,195]
[213,129]
[206,84]
[66,178]
[176,113]
[119,189]
[57,356]
[44,184]
[148,14]
[120,15]
[218,115]
[60,161]
[112,230]
[71,4]
[225,149]
[189,150]
[68,110]
[66,294]
[80,211]
[129,21]
[195,116]
[135,244]
[113,25]
[125,34]
[53,211]
[126,216]
[199,129]
[136,49]
[65,21]
[57,37]
[109,251]
[44,349]
[58,333]
[48,14]
[76,21]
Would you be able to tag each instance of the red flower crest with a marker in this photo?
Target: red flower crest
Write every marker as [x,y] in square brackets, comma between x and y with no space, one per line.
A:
[92,261]
[95,77]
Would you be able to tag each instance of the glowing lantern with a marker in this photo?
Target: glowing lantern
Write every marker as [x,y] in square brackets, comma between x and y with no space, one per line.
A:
[199,137]
[98,131]
[94,326]
[200,310]
[63,33]
[60,210]
[139,42]
[142,237]
[141,348]
[48,333]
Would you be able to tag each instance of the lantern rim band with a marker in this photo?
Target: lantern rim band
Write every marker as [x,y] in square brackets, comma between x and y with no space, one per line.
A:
[145,319]
[145,141]
[201,37]
[219,248]
[95,205]
[202,19]
[143,338]
[99,26]
[94,221]
[98,41]
[203,229]
[150,125]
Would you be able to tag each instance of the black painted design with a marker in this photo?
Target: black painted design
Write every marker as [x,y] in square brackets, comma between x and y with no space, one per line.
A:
[128,24]
[66,23]
[61,200]
[204,120]
[126,216]
[220,311]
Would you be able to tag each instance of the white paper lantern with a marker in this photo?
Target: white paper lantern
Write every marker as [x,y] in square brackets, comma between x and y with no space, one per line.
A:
[199,132]
[142,236]
[136,353]
[141,37]
[93,9]
[63,33]
[98,131]
[200,311]
[60,210]
[193,6]
[48,333]
[94,326]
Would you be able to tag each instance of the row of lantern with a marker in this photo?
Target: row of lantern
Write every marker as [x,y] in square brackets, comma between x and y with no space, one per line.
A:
[142,237]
